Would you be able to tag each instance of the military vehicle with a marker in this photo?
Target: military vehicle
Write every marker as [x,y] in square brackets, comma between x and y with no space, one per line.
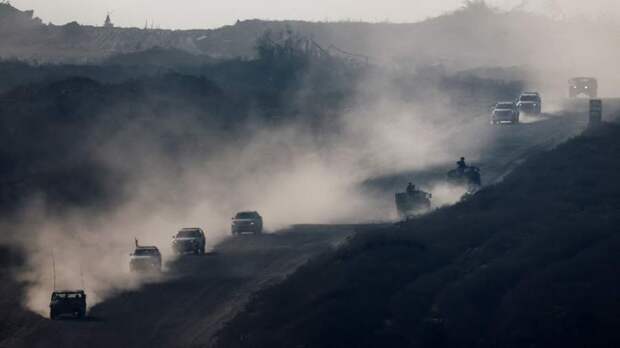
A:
[505,112]
[530,103]
[587,86]
[189,240]
[247,221]
[145,259]
[465,176]
[412,202]
[68,302]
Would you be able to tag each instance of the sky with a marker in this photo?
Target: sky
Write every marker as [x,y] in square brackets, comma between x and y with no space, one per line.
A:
[204,14]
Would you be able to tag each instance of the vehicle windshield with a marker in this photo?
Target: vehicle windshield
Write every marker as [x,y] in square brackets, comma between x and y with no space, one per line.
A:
[246,216]
[188,234]
[63,296]
[145,252]
[529,98]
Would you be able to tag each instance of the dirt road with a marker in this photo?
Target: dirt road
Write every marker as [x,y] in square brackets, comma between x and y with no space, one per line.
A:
[201,293]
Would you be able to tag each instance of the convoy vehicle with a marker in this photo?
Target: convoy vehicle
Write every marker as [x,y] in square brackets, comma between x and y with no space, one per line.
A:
[466,176]
[505,112]
[247,221]
[412,202]
[189,240]
[145,259]
[68,302]
[587,86]
[529,103]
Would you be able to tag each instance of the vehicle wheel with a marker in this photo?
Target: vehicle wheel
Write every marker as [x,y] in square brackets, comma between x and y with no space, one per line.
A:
[203,250]
[52,315]
[80,314]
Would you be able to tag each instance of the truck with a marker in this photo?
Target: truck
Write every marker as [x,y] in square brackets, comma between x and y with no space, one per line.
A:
[505,112]
[145,259]
[68,302]
[189,240]
[247,221]
[587,86]
[530,103]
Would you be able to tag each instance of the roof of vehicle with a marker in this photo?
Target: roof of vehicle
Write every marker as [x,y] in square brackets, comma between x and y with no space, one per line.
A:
[68,292]
[191,229]
[529,93]
[505,103]
[146,247]
[583,79]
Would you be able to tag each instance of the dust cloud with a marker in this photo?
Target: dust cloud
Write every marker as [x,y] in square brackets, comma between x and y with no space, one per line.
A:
[286,172]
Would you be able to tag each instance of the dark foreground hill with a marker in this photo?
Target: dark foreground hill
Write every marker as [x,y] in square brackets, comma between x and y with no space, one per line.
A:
[530,262]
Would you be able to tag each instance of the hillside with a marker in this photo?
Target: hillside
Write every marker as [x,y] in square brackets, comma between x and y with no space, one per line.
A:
[530,262]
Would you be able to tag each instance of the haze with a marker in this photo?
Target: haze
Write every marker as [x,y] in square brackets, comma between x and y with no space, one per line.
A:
[186,14]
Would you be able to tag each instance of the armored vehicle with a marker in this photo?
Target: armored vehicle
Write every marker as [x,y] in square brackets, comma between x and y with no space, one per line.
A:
[466,176]
[412,202]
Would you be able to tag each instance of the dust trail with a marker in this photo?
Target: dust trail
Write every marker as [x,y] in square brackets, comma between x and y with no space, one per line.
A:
[528,118]
[445,194]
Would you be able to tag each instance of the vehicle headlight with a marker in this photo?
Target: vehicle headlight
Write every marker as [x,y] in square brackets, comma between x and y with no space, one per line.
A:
[587,87]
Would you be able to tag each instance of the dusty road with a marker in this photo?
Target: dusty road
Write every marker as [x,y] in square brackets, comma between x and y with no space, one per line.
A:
[200,293]
[498,149]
